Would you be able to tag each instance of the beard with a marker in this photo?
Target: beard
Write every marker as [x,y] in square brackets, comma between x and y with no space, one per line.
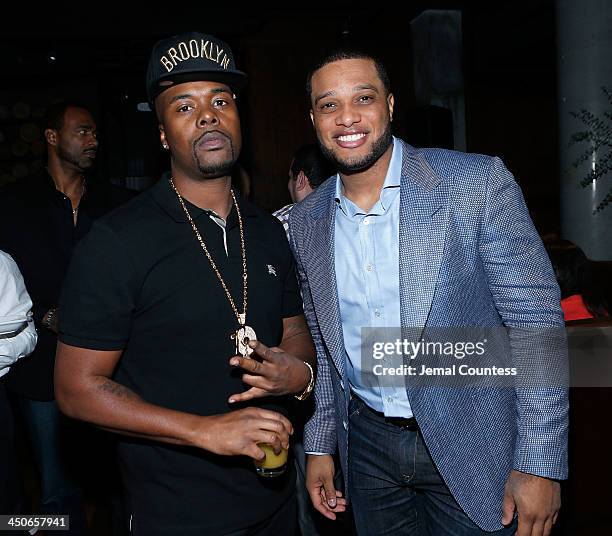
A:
[352,165]
[82,164]
[214,170]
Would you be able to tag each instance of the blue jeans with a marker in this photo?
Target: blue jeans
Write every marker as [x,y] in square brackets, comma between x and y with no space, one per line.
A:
[395,487]
[46,427]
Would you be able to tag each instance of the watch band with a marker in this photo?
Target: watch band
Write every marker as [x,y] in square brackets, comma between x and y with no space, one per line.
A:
[47,320]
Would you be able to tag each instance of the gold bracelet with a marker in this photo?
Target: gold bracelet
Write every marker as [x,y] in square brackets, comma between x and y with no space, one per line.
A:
[309,388]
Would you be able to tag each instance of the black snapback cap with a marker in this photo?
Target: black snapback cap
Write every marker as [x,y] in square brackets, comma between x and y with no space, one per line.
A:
[191,56]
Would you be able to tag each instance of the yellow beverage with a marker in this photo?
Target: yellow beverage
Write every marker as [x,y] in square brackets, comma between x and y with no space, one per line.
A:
[273,464]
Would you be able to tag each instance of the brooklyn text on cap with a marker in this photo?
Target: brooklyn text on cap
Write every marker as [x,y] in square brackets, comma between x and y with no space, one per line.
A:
[191,56]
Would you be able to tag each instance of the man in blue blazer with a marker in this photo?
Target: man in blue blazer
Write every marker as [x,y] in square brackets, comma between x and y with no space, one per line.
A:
[423,238]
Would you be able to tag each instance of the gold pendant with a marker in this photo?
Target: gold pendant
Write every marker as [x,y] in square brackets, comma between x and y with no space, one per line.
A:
[243,336]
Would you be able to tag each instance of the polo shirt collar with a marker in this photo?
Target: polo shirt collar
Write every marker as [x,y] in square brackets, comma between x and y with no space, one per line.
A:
[165,197]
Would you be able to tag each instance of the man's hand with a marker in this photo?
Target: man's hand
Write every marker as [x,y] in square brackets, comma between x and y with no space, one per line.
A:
[320,485]
[278,373]
[536,500]
[239,432]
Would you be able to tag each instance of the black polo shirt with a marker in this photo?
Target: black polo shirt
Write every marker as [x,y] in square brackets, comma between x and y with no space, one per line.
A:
[140,282]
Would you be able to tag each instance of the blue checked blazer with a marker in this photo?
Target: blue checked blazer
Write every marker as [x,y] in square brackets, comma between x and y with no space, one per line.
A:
[469,256]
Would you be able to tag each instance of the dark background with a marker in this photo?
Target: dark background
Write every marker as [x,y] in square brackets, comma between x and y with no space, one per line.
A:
[101,55]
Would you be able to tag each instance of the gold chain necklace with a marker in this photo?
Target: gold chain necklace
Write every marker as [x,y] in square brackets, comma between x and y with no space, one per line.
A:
[244,333]
[75,209]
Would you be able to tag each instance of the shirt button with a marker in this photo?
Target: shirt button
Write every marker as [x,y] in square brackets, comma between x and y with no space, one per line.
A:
[390,399]
[377,313]
[369,267]
[366,221]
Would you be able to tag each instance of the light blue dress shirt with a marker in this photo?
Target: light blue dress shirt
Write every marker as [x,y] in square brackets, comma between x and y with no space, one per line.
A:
[367,276]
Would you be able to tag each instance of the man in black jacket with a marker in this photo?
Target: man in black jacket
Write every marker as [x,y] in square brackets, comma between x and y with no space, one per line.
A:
[41,220]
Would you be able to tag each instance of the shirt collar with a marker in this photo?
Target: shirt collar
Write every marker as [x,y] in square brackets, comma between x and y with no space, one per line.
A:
[389,190]
[47,183]
[44,187]
[166,198]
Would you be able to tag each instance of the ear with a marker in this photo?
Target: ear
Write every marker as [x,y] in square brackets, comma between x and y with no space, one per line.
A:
[51,136]
[162,137]
[301,181]
[390,104]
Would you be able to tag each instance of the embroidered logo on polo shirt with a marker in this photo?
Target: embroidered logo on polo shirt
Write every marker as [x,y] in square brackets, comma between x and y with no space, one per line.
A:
[271,270]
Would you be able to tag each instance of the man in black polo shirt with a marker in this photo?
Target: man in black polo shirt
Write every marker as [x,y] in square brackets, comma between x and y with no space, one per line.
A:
[158,300]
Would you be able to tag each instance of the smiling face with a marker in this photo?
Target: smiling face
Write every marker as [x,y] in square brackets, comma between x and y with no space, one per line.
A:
[200,125]
[75,142]
[351,112]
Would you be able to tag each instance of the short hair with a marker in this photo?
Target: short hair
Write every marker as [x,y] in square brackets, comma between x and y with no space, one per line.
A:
[348,54]
[315,166]
[54,118]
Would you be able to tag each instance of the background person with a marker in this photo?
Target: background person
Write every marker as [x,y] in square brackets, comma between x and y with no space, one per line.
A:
[42,218]
[308,170]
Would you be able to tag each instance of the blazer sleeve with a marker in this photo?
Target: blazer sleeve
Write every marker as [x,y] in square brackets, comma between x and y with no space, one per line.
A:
[527,297]
[320,430]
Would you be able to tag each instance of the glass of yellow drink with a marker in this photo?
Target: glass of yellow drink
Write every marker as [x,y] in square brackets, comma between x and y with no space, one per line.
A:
[273,464]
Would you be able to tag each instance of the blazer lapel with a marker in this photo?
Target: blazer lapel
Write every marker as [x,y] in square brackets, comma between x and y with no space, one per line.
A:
[323,281]
[422,231]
